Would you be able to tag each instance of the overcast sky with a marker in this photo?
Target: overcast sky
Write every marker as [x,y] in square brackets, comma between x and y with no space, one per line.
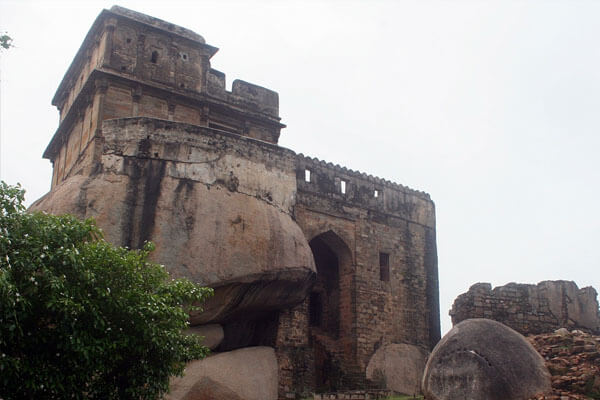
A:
[492,107]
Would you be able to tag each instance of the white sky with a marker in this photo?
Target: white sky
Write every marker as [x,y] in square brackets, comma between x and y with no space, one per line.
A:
[492,107]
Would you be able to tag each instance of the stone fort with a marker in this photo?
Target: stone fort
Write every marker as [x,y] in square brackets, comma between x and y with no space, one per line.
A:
[326,266]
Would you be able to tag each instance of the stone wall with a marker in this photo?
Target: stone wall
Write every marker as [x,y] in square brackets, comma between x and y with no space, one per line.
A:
[133,65]
[383,235]
[355,395]
[531,309]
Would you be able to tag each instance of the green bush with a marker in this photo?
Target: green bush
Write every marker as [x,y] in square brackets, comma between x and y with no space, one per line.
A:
[80,318]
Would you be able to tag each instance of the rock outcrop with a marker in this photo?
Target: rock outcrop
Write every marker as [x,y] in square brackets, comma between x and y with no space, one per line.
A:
[481,359]
[213,204]
[531,309]
[398,367]
[244,374]
[212,334]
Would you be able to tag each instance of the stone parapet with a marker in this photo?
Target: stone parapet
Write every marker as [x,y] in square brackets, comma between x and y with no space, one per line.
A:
[347,187]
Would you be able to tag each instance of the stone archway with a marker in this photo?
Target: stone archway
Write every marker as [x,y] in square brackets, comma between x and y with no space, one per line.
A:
[330,313]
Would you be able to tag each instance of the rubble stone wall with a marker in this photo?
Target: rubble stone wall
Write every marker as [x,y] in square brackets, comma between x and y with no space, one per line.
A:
[531,309]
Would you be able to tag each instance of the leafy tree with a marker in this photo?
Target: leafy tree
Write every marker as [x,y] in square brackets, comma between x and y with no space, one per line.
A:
[5,41]
[80,318]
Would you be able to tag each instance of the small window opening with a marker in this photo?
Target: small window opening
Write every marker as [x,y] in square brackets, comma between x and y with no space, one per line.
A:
[376,193]
[343,187]
[307,175]
[128,40]
[384,267]
[181,85]
[154,58]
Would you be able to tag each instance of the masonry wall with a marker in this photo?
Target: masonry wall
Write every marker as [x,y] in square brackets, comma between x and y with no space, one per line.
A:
[373,216]
[133,65]
[531,309]
[295,355]
[114,97]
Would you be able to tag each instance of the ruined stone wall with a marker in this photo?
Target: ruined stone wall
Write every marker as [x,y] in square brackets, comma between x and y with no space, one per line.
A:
[373,216]
[531,309]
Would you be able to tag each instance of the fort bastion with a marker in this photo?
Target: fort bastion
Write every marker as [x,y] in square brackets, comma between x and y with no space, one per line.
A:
[325,265]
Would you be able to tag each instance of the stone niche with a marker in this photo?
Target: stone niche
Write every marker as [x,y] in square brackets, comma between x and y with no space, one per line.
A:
[531,309]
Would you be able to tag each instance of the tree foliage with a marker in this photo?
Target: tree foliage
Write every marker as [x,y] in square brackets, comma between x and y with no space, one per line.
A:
[6,42]
[80,318]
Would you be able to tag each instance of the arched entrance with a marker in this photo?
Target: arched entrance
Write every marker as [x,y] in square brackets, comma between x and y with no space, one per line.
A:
[329,308]
[324,306]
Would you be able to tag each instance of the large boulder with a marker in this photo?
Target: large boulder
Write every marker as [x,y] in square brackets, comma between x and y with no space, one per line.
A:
[218,207]
[250,373]
[400,366]
[212,334]
[481,359]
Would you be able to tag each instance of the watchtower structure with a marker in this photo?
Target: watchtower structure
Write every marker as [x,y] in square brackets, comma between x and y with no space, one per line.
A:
[131,65]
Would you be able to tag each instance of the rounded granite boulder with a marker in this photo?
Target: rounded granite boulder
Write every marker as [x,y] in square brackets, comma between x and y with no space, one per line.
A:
[481,359]
[250,373]
[400,366]
[218,207]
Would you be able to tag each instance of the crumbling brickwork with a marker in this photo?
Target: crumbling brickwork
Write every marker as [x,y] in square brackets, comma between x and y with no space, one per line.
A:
[531,309]
[325,264]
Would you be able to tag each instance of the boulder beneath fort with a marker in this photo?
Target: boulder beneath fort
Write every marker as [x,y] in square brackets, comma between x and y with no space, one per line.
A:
[481,359]
[212,334]
[398,367]
[531,309]
[217,206]
[245,374]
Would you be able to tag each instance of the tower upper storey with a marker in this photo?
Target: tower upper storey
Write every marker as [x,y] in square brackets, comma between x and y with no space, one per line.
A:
[144,66]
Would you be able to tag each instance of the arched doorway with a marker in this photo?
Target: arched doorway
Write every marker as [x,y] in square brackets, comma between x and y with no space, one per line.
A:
[329,311]
[324,303]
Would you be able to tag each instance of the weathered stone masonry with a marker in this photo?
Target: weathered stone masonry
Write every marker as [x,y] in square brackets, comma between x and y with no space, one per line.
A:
[324,264]
[531,309]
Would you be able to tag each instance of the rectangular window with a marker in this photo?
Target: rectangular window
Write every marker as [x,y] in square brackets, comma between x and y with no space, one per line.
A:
[376,193]
[343,187]
[307,175]
[384,267]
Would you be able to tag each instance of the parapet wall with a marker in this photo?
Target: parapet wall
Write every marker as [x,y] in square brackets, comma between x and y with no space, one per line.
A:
[531,309]
[347,187]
